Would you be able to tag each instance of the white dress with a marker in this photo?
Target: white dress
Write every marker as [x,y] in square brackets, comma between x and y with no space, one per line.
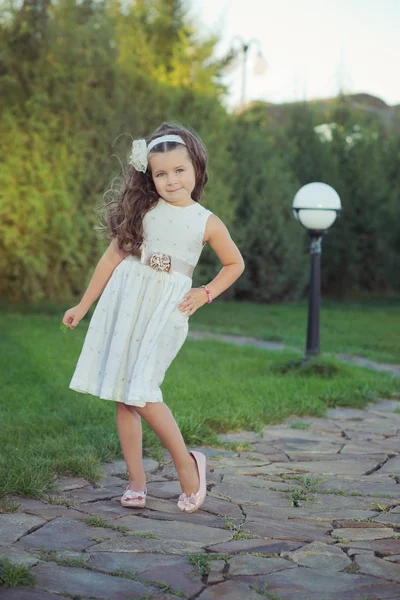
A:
[137,328]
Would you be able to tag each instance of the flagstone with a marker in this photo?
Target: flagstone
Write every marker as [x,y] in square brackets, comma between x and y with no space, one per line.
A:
[313,584]
[170,489]
[371,565]
[312,451]
[383,547]
[176,530]
[240,436]
[345,414]
[247,564]
[24,593]
[14,526]
[63,533]
[241,462]
[258,482]
[363,533]
[131,543]
[385,406]
[288,434]
[92,494]
[365,485]
[71,483]
[222,507]
[393,558]
[389,518]
[316,424]
[86,583]
[268,546]
[18,556]
[162,568]
[315,456]
[387,445]
[216,571]
[229,590]
[331,467]
[307,512]
[200,517]
[248,494]
[291,529]
[46,510]
[391,467]
[347,524]
[372,428]
[318,555]
[338,501]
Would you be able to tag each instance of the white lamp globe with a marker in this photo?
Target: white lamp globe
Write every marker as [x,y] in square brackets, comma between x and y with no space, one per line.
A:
[316,206]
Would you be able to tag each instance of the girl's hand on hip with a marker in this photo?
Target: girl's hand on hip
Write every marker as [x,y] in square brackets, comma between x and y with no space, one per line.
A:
[194,299]
[73,316]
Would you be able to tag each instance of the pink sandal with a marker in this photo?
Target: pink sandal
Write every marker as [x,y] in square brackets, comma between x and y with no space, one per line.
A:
[190,504]
[134,499]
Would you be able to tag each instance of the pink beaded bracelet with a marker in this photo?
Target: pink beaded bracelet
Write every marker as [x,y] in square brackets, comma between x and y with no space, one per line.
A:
[208,294]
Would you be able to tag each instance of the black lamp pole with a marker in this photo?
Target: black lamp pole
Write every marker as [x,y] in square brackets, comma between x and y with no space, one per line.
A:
[314,297]
[315,197]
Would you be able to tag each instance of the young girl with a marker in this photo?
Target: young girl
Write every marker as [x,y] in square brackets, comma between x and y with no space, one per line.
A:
[158,229]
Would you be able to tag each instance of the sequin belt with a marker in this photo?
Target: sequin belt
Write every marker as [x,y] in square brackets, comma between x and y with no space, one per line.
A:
[159,261]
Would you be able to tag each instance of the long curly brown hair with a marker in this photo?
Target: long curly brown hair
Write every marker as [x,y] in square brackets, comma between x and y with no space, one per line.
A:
[137,193]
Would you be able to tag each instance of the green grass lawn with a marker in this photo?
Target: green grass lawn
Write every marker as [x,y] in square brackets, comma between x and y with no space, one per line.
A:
[368,329]
[47,430]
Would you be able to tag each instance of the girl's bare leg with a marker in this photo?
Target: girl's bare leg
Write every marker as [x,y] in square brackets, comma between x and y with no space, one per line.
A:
[129,425]
[161,421]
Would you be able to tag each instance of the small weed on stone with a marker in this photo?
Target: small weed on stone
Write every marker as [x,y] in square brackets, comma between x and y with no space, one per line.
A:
[300,425]
[13,575]
[62,561]
[100,522]
[61,501]
[125,574]
[379,507]
[263,591]
[201,560]
[144,534]
[237,446]
[239,533]
[8,506]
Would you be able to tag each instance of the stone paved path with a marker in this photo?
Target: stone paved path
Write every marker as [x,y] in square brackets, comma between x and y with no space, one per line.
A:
[309,510]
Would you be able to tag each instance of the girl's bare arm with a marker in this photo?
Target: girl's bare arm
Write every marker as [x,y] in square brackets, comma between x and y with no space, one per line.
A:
[218,237]
[102,273]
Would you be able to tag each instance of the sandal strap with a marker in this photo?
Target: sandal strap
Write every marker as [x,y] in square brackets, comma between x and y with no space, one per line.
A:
[132,495]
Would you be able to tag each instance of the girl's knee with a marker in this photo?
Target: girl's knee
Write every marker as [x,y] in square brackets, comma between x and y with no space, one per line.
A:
[150,409]
[121,407]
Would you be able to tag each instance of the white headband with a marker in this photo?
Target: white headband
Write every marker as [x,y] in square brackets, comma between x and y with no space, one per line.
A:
[140,150]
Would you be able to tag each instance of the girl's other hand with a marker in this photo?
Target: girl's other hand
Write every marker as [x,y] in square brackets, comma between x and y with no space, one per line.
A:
[194,299]
[73,316]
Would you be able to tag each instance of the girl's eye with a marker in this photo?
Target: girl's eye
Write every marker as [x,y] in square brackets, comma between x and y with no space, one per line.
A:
[180,170]
[159,174]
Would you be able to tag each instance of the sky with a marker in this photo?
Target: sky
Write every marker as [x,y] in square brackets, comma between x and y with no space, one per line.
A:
[312,48]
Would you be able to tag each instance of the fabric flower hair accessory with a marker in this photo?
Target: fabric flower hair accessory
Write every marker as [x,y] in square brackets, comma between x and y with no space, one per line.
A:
[138,156]
[140,150]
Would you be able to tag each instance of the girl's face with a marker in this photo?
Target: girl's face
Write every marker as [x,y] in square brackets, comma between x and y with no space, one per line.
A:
[173,175]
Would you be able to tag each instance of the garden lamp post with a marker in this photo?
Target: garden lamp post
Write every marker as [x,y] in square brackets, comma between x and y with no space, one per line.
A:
[316,206]
[260,64]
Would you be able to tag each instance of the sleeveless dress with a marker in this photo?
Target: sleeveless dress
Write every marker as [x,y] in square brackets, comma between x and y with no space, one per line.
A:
[137,328]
